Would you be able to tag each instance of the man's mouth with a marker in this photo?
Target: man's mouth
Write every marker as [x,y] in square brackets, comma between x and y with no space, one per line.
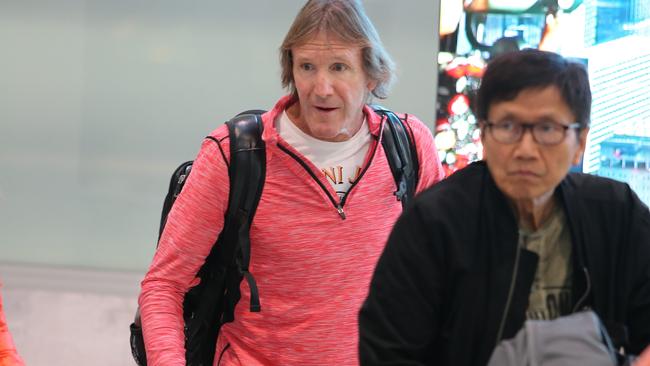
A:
[325,109]
[524,173]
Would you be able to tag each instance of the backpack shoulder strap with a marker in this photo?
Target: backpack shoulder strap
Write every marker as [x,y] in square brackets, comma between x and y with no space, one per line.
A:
[247,171]
[212,303]
[247,163]
[401,153]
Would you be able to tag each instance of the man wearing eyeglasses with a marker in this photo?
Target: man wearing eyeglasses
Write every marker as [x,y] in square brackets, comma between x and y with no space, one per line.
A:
[515,236]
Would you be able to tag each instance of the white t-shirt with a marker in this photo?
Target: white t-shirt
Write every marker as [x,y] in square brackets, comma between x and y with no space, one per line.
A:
[341,162]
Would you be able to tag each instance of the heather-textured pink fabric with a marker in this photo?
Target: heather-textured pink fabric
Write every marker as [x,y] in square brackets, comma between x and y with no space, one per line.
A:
[312,266]
[8,354]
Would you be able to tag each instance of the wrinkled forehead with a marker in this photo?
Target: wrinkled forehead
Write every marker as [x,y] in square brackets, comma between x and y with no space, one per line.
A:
[322,41]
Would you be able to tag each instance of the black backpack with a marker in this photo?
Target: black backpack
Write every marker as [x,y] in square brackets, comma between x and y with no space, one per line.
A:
[211,303]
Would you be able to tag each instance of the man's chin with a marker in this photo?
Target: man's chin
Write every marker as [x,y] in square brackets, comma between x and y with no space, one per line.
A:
[321,129]
[330,135]
[518,193]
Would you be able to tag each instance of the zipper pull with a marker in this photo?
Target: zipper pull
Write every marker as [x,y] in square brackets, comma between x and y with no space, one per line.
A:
[339,208]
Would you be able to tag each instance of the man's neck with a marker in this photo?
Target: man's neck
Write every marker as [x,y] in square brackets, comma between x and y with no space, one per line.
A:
[532,214]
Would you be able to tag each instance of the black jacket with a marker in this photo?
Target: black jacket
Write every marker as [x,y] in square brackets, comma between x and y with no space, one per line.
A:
[440,289]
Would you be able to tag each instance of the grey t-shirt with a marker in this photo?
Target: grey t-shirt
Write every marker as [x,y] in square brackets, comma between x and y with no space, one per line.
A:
[550,295]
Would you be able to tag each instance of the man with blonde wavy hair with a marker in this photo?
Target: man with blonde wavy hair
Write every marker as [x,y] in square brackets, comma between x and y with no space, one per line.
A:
[326,210]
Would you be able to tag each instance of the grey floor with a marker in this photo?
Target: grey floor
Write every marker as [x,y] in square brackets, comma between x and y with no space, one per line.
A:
[63,317]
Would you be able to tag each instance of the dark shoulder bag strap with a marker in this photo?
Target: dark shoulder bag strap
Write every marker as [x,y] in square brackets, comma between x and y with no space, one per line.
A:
[401,153]
[247,171]
[227,263]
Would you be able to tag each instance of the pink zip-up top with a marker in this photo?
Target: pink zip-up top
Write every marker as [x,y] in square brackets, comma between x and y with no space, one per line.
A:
[312,263]
[8,354]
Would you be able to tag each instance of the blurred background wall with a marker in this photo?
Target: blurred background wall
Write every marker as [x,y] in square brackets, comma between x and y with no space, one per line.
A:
[99,101]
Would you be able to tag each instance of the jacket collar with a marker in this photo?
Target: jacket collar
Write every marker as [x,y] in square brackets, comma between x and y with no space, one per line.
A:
[565,193]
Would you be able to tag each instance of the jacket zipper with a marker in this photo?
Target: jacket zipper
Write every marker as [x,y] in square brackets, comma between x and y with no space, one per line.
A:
[363,172]
[338,206]
[511,290]
[584,296]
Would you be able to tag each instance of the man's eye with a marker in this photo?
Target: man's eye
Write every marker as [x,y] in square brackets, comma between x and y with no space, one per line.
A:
[506,125]
[339,67]
[547,127]
[307,67]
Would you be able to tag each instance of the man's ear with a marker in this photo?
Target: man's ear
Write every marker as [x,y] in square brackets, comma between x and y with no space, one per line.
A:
[482,127]
[372,84]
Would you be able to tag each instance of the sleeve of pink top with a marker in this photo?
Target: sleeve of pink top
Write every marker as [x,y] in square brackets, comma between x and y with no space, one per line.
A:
[430,168]
[644,358]
[191,230]
[8,354]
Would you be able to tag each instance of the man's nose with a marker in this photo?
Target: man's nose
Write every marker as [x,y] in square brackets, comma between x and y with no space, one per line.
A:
[323,86]
[527,146]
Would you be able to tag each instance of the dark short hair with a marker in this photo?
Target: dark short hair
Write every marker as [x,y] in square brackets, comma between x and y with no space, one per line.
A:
[347,20]
[509,74]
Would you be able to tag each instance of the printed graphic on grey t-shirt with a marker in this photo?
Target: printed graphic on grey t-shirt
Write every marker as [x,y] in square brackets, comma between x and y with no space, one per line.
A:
[550,295]
[557,302]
